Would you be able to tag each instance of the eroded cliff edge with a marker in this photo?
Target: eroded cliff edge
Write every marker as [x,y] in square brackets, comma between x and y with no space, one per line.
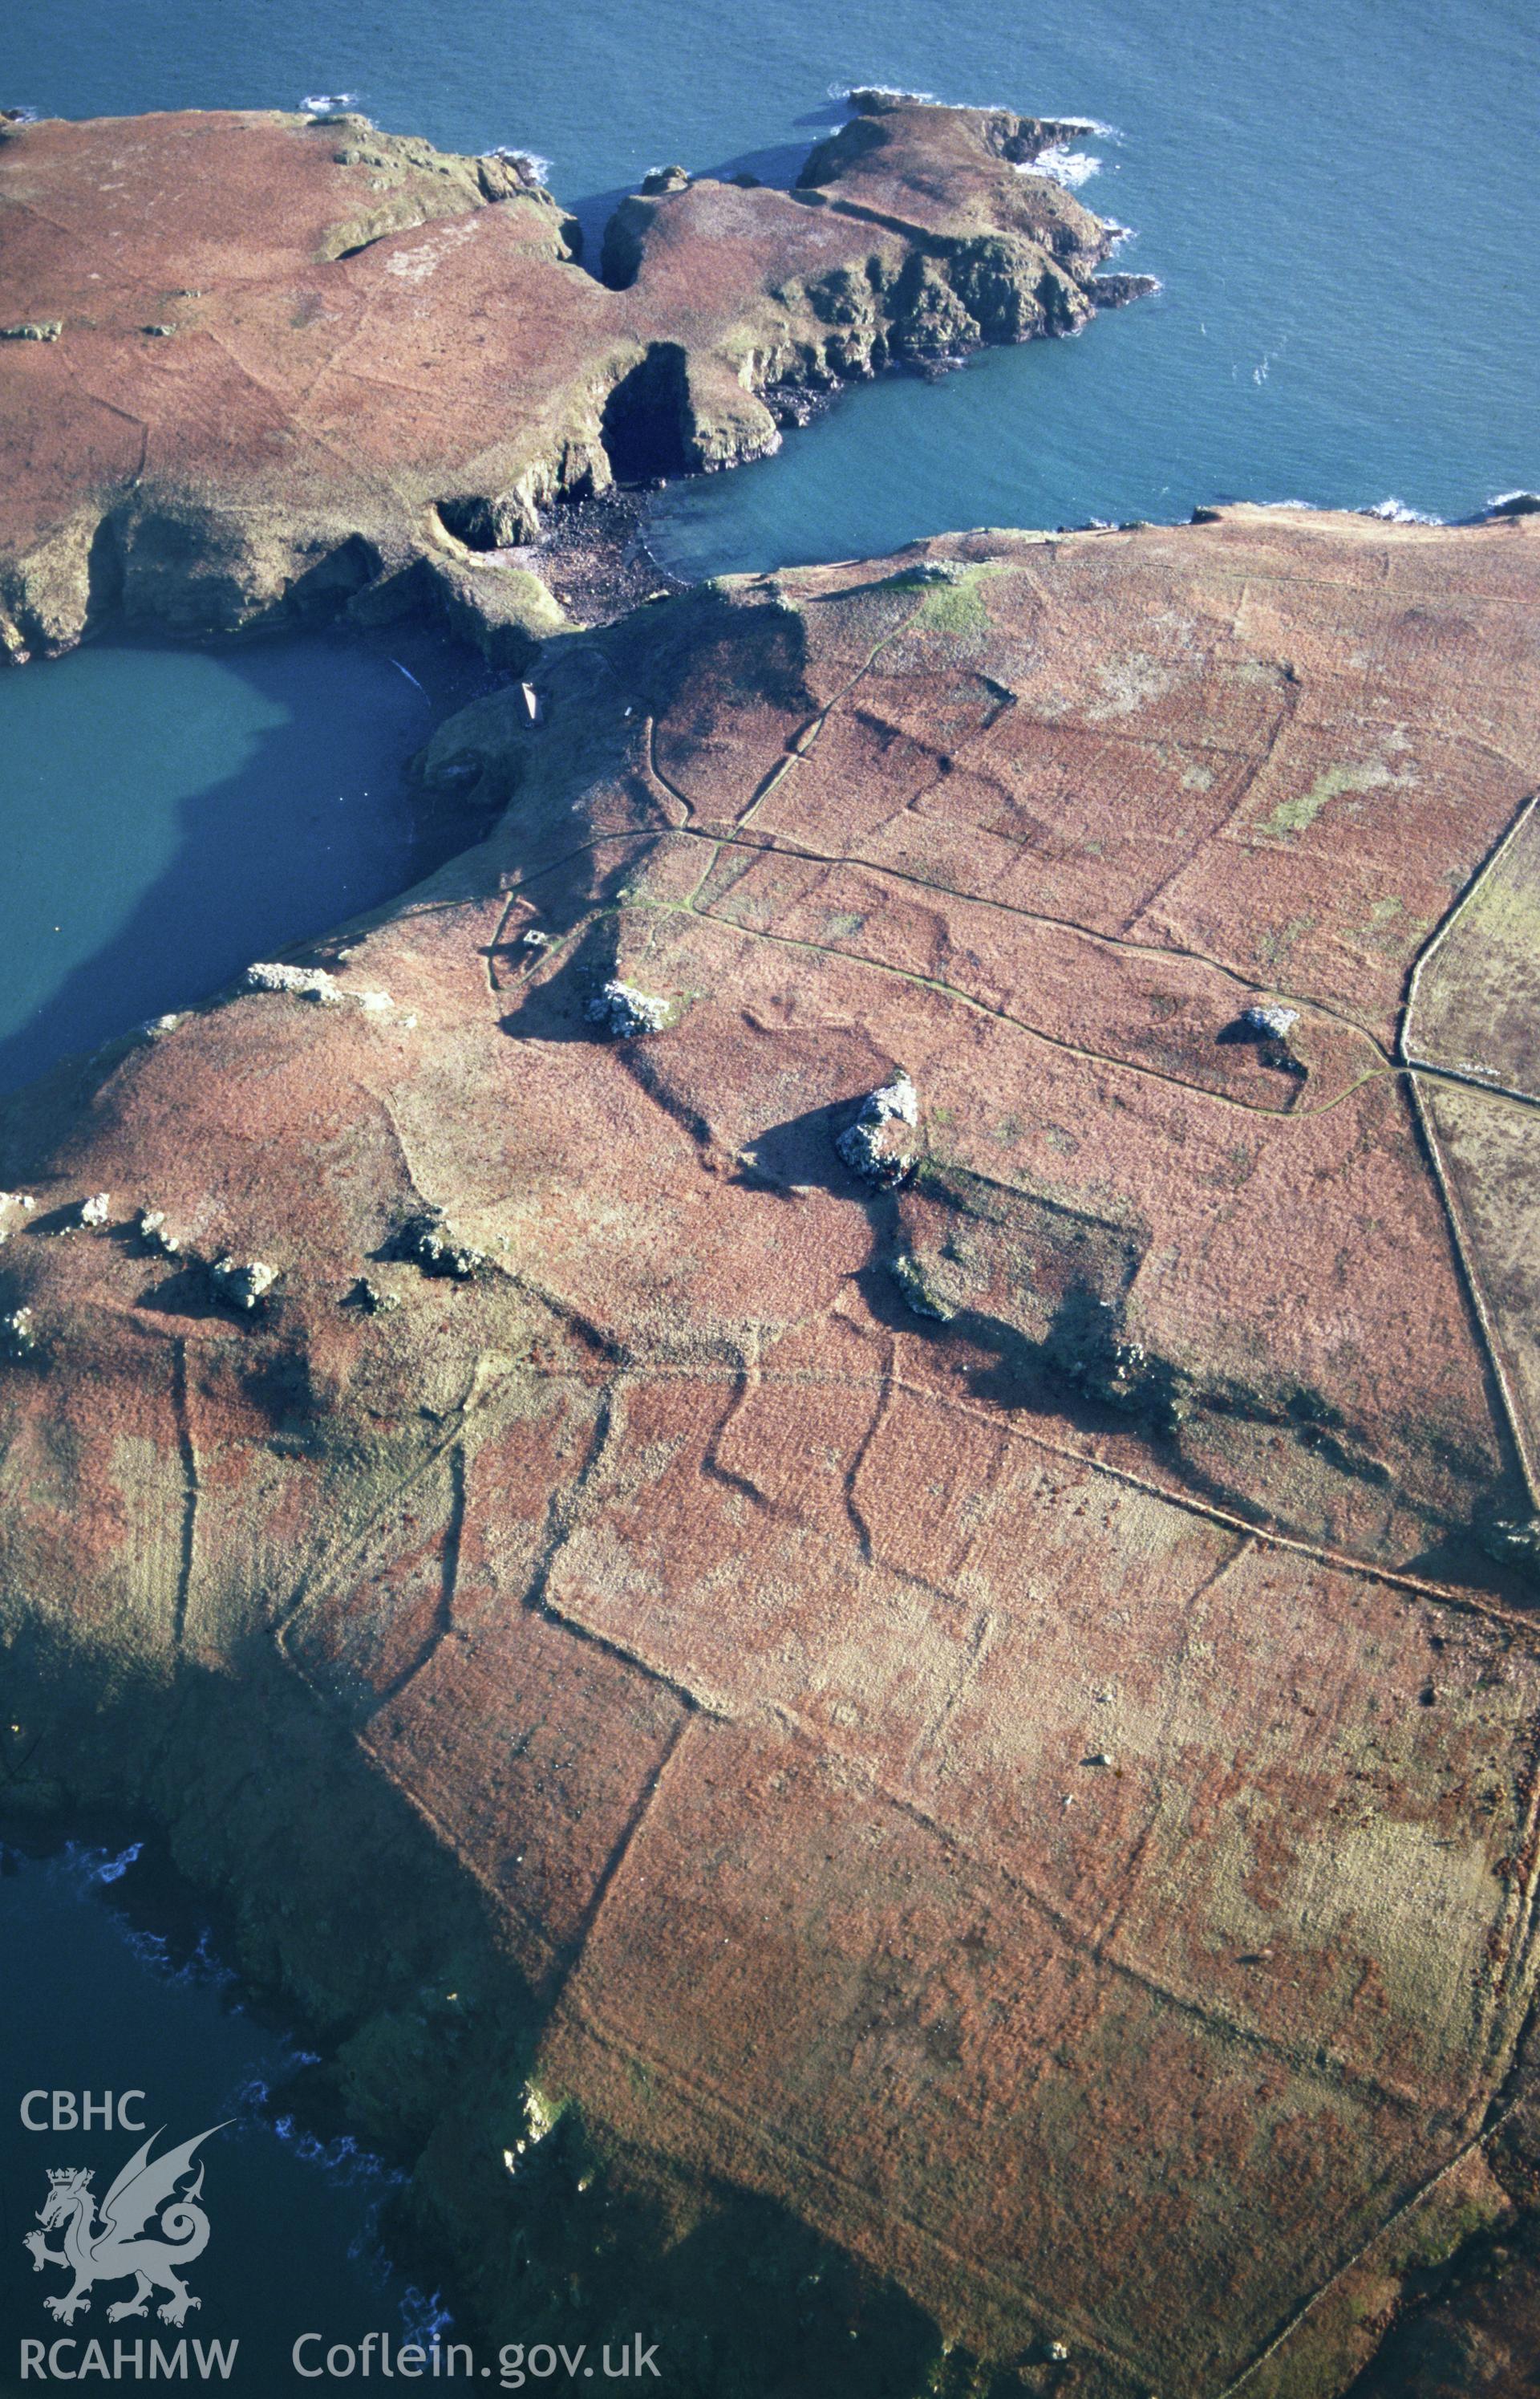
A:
[969,1683]
[264,368]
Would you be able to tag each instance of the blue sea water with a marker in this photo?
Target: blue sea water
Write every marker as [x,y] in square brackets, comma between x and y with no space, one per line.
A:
[1336,194]
[112,1987]
[1339,198]
[172,814]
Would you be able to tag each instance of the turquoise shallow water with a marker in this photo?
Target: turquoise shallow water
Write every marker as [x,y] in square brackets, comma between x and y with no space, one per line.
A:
[172,814]
[1339,200]
[1337,197]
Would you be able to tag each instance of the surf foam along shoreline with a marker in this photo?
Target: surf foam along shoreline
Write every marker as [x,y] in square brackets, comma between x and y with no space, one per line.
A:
[535,169]
[325,474]
[267,2093]
[1062,165]
[1068,123]
[482,1747]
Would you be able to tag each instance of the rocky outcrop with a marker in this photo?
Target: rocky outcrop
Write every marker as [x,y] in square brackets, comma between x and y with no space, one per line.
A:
[943,1700]
[1006,250]
[349,372]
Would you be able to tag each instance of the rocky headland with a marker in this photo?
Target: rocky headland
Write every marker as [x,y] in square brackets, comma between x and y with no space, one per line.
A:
[261,369]
[815,1487]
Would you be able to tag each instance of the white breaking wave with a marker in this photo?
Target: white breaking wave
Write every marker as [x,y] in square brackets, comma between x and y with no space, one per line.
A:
[1092,125]
[882,90]
[425,2317]
[324,103]
[1396,511]
[1506,499]
[535,166]
[201,1968]
[1063,166]
[99,1865]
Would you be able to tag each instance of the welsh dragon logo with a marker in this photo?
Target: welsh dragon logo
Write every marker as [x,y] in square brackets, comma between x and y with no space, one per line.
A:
[118,2246]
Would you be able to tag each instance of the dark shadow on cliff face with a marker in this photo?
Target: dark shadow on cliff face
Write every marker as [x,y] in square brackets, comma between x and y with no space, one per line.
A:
[748,2303]
[129,1972]
[315,823]
[593,213]
[778,164]
[352,1924]
[646,418]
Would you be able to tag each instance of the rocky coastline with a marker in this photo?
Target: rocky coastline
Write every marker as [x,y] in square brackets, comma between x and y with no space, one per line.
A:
[358,376]
[814,1490]
[882,1103]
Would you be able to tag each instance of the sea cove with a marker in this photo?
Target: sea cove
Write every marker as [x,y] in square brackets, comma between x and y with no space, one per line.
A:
[190,807]
[1287,359]
[773,1398]
[1293,353]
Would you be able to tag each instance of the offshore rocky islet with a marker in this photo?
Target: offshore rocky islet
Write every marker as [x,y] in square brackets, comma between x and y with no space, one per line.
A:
[1095,1838]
